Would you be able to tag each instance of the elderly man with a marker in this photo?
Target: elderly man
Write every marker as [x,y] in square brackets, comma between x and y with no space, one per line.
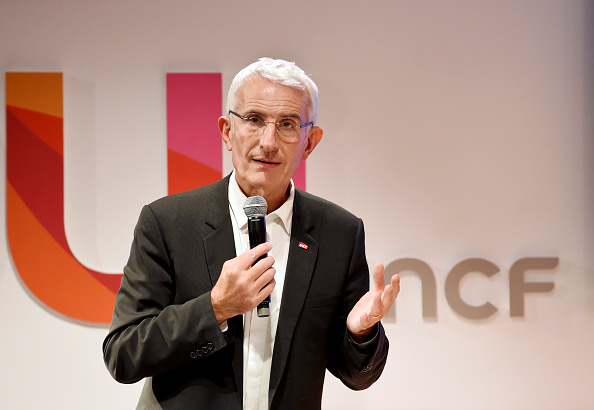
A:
[185,313]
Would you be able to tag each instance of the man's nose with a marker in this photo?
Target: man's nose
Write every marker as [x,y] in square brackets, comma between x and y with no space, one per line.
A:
[268,139]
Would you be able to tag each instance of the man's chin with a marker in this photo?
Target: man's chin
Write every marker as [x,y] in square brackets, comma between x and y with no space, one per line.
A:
[265,183]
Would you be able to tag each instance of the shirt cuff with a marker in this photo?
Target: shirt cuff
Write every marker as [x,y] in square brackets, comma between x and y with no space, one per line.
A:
[224,326]
[367,345]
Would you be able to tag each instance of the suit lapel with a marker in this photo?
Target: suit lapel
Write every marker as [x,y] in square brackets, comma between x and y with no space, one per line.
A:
[219,247]
[300,267]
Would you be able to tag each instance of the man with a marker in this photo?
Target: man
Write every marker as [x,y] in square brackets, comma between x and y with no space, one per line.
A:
[185,313]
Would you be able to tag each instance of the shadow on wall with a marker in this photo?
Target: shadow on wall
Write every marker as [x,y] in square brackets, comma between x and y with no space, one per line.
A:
[589,138]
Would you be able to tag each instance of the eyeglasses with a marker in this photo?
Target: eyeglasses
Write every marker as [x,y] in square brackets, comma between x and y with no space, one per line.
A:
[288,128]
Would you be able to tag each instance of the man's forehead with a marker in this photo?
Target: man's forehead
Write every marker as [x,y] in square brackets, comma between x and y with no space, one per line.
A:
[258,92]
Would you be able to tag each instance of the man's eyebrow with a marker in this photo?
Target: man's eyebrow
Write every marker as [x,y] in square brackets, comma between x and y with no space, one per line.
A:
[261,114]
[252,112]
[292,115]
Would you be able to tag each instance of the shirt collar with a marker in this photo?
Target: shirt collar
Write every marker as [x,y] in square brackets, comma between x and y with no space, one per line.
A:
[237,200]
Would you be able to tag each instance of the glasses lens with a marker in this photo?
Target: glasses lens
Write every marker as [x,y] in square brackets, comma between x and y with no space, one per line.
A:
[288,130]
[254,122]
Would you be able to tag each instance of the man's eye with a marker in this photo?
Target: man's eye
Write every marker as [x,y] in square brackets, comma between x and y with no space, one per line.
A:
[254,120]
[287,124]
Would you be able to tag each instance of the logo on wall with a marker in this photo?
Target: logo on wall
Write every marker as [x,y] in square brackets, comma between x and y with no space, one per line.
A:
[35,200]
[35,182]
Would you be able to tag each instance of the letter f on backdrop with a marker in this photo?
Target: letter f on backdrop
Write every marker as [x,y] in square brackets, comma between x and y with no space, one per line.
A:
[35,183]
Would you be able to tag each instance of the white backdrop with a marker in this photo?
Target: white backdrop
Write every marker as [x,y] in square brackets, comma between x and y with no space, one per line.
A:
[455,129]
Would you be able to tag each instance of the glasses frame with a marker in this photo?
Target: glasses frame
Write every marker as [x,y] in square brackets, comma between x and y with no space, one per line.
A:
[276,124]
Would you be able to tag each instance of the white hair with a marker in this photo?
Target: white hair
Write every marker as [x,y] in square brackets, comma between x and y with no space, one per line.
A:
[280,72]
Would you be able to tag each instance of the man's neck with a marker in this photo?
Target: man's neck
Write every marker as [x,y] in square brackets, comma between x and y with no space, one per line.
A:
[274,201]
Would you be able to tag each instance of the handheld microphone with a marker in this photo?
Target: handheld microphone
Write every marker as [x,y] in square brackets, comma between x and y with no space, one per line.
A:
[255,209]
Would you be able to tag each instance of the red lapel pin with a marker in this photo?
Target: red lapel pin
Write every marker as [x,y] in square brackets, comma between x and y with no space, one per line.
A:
[302,245]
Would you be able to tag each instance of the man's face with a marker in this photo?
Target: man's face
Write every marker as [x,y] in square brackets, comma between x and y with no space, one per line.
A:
[264,163]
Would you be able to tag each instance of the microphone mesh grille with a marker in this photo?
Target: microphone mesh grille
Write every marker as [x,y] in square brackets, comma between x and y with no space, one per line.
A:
[255,206]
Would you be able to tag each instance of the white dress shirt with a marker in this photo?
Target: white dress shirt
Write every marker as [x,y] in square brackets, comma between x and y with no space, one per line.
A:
[259,333]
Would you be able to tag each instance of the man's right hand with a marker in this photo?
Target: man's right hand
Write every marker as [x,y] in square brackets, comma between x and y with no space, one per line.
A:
[241,286]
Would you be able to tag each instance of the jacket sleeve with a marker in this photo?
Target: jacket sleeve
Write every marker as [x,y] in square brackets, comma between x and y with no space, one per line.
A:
[357,365]
[150,334]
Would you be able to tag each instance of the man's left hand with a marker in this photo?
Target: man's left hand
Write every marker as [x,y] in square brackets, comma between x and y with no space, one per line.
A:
[373,306]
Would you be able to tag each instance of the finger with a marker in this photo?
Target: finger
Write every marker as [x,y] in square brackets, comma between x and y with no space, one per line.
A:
[376,309]
[391,292]
[388,297]
[262,265]
[395,281]
[264,278]
[266,289]
[378,277]
[251,255]
[391,289]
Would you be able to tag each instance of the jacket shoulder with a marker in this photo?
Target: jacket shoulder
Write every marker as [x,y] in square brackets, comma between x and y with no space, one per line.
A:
[313,209]
[197,198]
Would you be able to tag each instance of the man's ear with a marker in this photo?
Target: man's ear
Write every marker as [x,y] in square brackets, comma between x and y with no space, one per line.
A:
[313,139]
[225,129]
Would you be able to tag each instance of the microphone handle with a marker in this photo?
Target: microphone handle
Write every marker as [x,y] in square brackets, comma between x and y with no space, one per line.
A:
[257,235]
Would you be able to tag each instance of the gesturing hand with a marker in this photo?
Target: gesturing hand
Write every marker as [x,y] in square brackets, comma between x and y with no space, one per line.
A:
[241,286]
[373,306]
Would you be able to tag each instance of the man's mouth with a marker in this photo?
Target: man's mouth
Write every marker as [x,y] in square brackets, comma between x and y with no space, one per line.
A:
[264,162]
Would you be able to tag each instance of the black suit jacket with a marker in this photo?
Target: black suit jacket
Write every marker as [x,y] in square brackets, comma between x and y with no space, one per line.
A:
[164,327]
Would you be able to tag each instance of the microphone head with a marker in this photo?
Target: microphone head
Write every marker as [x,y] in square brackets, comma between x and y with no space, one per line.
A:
[255,206]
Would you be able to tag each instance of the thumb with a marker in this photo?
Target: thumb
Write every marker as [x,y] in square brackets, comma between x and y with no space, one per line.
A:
[378,276]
